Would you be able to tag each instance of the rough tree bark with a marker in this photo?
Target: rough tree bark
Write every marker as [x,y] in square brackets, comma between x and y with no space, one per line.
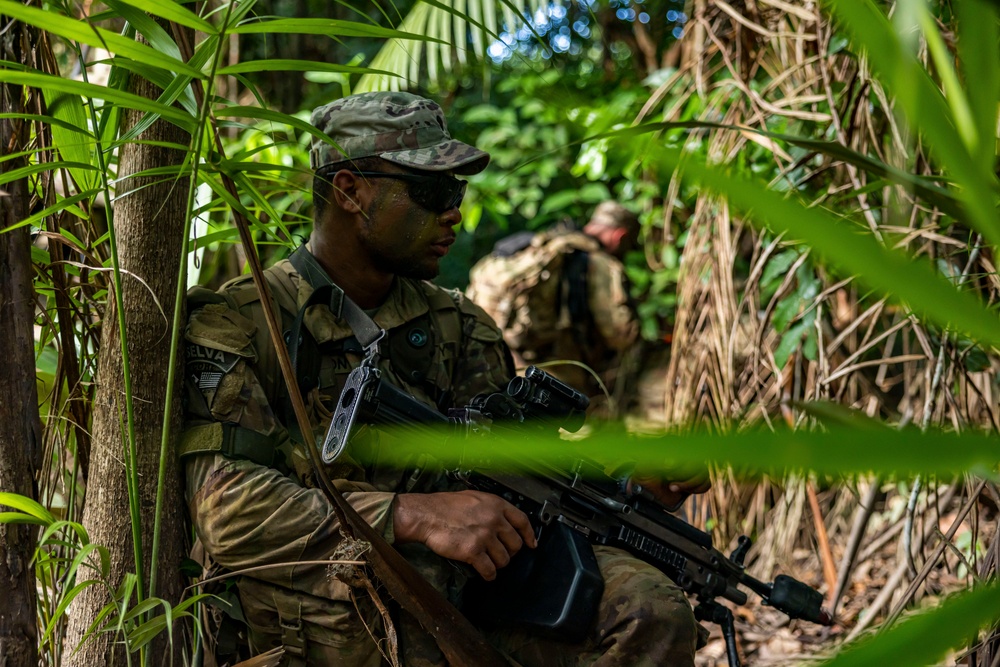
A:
[148,218]
[20,434]
[20,428]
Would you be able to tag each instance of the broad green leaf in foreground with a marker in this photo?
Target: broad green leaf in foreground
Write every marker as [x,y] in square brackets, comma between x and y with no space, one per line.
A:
[979,53]
[69,204]
[924,187]
[926,108]
[927,637]
[20,517]
[752,453]
[891,272]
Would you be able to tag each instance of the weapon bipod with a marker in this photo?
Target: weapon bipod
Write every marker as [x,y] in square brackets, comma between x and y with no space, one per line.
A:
[713,612]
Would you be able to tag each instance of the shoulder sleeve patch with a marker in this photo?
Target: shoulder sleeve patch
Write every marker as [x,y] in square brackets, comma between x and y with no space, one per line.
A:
[218,326]
[207,365]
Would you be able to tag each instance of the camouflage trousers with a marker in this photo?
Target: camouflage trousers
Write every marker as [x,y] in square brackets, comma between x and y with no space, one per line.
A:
[643,619]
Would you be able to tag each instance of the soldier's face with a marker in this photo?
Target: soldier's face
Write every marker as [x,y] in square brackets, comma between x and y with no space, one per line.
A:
[404,238]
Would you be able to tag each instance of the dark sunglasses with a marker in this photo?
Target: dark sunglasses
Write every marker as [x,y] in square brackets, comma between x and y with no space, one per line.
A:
[435,192]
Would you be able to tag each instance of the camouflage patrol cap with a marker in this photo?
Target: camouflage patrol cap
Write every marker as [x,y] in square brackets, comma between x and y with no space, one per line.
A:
[403,128]
[612,214]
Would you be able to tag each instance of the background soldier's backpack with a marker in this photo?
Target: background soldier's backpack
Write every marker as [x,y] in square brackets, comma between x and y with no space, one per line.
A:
[534,285]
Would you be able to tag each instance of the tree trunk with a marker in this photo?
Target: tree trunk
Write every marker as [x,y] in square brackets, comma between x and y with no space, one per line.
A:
[20,428]
[149,220]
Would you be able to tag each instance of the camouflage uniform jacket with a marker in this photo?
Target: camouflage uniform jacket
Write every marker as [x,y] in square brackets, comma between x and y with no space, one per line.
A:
[249,510]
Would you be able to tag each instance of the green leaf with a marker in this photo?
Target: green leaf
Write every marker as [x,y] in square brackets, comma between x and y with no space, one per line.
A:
[854,252]
[836,414]
[142,608]
[42,167]
[810,346]
[278,65]
[109,609]
[84,32]
[19,518]
[330,27]
[944,199]
[67,204]
[58,84]
[774,273]
[277,117]
[184,604]
[63,604]
[168,614]
[230,234]
[123,597]
[752,453]
[77,145]
[976,360]
[169,10]
[927,189]
[558,202]
[147,26]
[104,566]
[925,108]
[945,69]
[147,631]
[175,88]
[48,120]
[927,637]
[82,537]
[979,53]
[789,343]
[26,505]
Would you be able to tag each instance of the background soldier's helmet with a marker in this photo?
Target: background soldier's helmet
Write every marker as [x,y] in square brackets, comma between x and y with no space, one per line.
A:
[403,128]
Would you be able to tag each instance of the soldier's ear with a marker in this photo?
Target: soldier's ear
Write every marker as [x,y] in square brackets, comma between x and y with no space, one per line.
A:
[345,191]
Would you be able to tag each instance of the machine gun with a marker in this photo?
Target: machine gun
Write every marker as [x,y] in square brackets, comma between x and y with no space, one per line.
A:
[556,587]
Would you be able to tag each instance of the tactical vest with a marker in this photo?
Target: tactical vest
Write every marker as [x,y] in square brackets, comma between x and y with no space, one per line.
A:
[410,348]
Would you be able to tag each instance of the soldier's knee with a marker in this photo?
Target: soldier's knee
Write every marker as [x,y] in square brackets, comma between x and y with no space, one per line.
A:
[675,619]
[645,614]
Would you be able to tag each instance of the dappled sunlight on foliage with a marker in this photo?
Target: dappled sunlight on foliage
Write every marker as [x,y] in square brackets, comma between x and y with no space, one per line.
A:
[816,279]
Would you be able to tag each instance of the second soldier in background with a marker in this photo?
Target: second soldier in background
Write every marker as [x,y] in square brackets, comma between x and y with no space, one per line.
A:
[561,295]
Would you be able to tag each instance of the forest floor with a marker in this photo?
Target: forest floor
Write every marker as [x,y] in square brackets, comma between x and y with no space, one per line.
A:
[767,638]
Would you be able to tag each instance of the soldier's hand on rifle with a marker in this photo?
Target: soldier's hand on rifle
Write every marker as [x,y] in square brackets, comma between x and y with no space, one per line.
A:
[673,492]
[473,527]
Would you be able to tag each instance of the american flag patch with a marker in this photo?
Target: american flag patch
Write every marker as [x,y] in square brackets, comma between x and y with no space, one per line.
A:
[208,380]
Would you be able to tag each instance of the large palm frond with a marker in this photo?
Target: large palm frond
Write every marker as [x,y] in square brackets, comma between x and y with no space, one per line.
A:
[465,28]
